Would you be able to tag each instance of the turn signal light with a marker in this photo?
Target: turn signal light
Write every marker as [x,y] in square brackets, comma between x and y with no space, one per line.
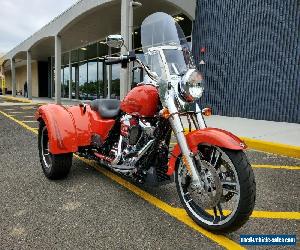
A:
[165,113]
[207,111]
[186,163]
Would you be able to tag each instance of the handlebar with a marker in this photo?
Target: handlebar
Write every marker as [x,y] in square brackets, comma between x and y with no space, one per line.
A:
[113,60]
[123,59]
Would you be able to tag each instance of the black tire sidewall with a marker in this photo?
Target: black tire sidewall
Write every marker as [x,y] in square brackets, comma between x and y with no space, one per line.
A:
[61,163]
[246,204]
[46,170]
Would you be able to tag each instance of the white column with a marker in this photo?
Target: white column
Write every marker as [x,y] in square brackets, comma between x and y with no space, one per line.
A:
[2,80]
[130,43]
[13,77]
[57,69]
[29,76]
[70,81]
[2,69]
[125,34]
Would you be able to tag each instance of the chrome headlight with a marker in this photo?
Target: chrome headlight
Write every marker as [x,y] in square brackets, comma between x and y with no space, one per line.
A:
[191,85]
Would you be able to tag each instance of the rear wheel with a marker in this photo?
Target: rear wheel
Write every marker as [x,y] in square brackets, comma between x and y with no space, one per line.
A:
[54,166]
[225,198]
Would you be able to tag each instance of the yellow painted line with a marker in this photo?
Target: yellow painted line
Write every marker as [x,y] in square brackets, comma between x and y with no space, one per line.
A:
[19,122]
[277,167]
[272,147]
[16,99]
[174,212]
[17,112]
[28,108]
[219,239]
[276,215]
[29,121]
[28,116]
[264,214]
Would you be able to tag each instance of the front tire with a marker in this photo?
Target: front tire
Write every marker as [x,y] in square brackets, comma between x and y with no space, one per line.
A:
[228,180]
[54,166]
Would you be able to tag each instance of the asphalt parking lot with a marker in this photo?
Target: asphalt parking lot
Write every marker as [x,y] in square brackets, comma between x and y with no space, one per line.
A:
[94,208]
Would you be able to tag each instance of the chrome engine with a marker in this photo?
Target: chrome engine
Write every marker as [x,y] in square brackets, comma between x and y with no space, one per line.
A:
[135,139]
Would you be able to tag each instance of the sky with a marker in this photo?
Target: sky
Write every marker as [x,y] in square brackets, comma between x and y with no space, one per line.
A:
[19,19]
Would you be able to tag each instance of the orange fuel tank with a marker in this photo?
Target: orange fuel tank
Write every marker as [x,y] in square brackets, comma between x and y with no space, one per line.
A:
[141,101]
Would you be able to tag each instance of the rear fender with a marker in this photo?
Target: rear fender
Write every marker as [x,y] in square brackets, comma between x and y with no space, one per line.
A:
[61,129]
[209,136]
[71,128]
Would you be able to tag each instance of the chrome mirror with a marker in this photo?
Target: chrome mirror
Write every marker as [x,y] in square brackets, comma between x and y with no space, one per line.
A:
[115,41]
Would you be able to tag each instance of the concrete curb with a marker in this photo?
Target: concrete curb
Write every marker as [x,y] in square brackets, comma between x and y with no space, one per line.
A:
[272,147]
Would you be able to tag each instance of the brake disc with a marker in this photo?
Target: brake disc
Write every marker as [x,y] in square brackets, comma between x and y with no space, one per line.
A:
[212,186]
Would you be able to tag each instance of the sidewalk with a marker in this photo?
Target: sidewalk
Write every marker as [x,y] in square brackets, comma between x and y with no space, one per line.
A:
[38,100]
[277,132]
[275,137]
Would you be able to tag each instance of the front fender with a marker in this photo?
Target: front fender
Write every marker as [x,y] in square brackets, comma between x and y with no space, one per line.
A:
[61,128]
[210,136]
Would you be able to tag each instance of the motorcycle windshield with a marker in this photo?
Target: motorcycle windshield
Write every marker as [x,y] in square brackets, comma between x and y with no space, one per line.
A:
[161,30]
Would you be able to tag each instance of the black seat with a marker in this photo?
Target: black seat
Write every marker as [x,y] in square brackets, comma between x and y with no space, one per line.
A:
[107,108]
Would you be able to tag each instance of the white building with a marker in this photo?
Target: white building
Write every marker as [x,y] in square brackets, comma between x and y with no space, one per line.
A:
[64,59]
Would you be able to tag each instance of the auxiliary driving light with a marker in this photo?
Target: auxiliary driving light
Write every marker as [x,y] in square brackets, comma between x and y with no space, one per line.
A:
[207,111]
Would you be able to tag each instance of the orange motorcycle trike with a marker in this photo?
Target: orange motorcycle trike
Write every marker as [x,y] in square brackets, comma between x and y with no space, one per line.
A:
[214,179]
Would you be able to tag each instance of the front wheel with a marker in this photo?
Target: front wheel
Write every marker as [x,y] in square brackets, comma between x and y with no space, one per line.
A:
[225,197]
[54,166]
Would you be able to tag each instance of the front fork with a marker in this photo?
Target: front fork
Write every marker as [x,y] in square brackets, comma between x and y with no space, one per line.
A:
[178,129]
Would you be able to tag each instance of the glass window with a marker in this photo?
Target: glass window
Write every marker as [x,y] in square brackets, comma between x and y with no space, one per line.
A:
[88,80]
[66,80]
[91,86]
[73,84]
[115,83]
[102,83]
[82,79]
[62,81]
